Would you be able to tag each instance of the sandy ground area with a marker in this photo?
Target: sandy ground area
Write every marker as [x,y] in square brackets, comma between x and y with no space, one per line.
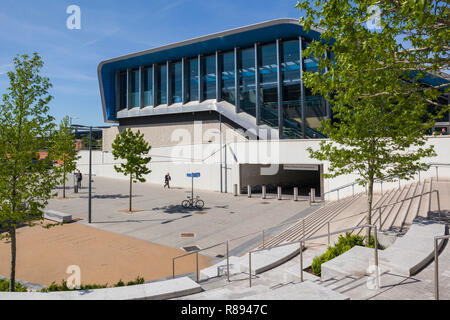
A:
[43,256]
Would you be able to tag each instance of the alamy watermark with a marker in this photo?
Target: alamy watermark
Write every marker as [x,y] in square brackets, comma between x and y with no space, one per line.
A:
[74,280]
[74,20]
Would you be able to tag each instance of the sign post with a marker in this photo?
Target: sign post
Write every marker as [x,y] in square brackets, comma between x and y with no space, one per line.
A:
[193,175]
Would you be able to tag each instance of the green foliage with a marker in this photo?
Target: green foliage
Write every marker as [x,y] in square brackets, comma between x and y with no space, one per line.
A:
[26,128]
[343,244]
[4,286]
[63,149]
[371,79]
[133,149]
[63,286]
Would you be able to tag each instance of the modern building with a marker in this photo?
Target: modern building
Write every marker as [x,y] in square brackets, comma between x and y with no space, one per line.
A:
[246,81]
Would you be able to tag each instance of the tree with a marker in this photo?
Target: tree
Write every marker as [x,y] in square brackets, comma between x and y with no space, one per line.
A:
[132,148]
[64,150]
[373,83]
[26,182]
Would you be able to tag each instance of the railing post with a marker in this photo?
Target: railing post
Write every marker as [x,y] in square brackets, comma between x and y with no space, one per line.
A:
[436,271]
[437,173]
[328,232]
[250,268]
[375,240]
[173,268]
[196,266]
[439,202]
[228,261]
[301,261]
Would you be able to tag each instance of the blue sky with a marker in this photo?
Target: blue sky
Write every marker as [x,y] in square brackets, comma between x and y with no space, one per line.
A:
[110,29]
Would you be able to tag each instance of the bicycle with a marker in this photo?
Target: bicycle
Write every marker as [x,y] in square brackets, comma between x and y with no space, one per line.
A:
[198,203]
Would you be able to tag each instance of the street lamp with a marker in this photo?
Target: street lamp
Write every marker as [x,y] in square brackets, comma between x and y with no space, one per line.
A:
[85,129]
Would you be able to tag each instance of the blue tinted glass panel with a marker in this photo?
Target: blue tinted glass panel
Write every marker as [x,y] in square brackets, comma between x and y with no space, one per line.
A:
[162,84]
[134,88]
[192,81]
[227,72]
[268,85]
[148,87]
[209,77]
[290,73]
[175,81]
[247,92]
[122,90]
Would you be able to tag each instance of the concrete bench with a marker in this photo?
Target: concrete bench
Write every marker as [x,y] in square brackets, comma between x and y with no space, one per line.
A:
[57,216]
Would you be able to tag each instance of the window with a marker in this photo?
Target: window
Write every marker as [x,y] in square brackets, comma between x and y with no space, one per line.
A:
[290,73]
[162,84]
[192,79]
[175,82]
[209,77]
[247,92]
[122,86]
[227,73]
[147,74]
[268,85]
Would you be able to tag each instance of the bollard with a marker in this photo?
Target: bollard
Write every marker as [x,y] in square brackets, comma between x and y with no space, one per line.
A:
[295,193]
[313,195]
[235,193]
[279,192]
[309,198]
[249,191]
[263,192]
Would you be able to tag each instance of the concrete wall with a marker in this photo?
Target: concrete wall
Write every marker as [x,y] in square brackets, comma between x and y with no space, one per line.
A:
[205,158]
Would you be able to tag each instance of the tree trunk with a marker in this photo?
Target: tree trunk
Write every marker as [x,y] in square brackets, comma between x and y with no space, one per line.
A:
[131,186]
[64,185]
[12,277]
[369,208]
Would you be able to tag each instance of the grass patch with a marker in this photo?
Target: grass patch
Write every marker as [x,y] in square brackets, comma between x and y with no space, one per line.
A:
[4,286]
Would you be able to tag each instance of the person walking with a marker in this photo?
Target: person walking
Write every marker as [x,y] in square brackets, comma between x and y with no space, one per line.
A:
[79,178]
[167,179]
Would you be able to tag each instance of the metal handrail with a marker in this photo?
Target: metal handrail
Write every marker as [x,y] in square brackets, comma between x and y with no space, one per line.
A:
[436,265]
[431,164]
[391,204]
[302,241]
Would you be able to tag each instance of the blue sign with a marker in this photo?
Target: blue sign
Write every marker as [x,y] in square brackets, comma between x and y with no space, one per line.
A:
[193,175]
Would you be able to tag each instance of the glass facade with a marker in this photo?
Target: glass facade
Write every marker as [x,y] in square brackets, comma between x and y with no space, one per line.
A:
[268,84]
[228,77]
[261,75]
[134,88]
[147,75]
[175,82]
[122,86]
[192,79]
[315,107]
[290,75]
[161,78]
[247,87]
[209,77]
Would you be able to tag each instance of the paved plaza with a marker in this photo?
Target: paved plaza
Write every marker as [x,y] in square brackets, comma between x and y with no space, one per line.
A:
[161,219]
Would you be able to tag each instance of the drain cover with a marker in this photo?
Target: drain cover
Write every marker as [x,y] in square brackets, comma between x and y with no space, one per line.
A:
[191,248]
[187,235]
[220,256]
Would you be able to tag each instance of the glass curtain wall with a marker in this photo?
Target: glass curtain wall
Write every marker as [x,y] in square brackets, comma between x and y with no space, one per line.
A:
[228,76]
[268,84]
[161,95]
[290,73]
[175,82]
[122,90]
[192,79]
[134,88]
[209,77]
[315,107]
[247,87]
[148,86]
